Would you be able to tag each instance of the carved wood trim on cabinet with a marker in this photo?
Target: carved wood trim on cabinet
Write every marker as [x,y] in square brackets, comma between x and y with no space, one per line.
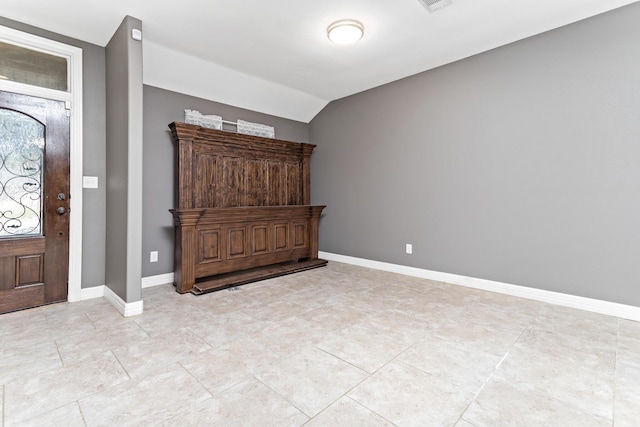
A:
[220,169]
[242,208]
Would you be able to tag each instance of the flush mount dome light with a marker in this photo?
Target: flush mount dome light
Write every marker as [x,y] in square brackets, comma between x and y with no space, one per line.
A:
[345,31]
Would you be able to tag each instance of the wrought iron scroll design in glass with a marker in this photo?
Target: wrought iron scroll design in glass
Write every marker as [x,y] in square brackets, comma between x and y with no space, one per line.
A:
[21,174]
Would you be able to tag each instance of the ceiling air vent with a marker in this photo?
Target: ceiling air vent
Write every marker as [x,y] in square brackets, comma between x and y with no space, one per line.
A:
[434,5]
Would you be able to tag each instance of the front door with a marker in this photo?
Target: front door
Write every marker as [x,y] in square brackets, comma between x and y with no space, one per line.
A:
[34,201]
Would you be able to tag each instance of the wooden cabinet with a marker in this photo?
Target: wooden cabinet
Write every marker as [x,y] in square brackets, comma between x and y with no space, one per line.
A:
[242,208]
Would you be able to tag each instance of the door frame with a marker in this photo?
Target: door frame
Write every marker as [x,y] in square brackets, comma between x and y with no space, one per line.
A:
[73,99]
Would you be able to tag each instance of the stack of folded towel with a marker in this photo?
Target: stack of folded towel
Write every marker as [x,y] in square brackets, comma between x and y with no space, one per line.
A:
[256,129]
[194,117]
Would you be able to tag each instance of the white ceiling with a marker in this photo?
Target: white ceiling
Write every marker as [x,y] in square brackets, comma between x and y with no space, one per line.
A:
[274,56]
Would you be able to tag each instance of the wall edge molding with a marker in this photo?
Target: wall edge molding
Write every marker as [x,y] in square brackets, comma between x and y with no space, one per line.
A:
[157,280]
[573,301]
[92,292]
[124,308]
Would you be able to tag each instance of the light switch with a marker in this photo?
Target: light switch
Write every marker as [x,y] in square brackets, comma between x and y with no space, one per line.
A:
[89,182]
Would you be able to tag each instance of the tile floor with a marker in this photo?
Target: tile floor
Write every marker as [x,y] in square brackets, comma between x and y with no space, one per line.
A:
[336,346]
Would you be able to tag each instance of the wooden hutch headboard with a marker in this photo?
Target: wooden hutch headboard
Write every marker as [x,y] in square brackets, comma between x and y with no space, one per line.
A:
[242,208]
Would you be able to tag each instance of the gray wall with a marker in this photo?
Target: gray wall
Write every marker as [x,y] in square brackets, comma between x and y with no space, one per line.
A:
[94,200]
[519,165]
[162,107]
[124,161]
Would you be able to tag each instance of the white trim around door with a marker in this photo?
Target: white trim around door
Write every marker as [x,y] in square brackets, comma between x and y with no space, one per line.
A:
[73,98]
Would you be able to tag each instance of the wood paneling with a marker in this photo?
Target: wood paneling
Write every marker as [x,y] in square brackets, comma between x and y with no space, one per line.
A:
[185,249]
[232,181]
[30,270]
[242,208]
[210,245]
[260,239]
[205,172]
[256,183]
[7,273]
[18,247]
[275,184]
[237,242]
[19,298]
[294,189]
[223,169]
[266,231]
[281,237]
[30,261]
[300,235]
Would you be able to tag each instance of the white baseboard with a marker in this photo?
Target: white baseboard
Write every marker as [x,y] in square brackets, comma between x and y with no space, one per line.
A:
[91,293]
[160,279]
[126,309]
[588,304]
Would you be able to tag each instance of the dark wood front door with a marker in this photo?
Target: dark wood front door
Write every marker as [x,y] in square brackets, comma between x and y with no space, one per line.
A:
[34,201]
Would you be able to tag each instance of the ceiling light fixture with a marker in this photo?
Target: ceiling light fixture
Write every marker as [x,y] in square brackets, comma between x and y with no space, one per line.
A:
[345,31]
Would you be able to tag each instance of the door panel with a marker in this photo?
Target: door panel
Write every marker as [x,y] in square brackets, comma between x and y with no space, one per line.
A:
[34,201]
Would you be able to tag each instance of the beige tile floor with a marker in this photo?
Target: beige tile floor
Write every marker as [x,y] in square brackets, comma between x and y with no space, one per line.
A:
[336,346]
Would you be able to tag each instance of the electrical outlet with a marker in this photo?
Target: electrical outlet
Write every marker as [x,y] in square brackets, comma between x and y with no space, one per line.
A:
[409,248]
[153,256]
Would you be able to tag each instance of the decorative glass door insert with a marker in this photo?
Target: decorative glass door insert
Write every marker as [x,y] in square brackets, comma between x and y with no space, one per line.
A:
[21,166]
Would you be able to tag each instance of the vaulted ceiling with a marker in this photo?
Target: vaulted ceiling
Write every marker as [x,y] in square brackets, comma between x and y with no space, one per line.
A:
[274,56]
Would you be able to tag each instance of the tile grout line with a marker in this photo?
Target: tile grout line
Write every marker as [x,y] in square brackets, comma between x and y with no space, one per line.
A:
[383,366]
[285,399]
[492,374]
[84,420]
[377,370]
[342,395]
[50,411]
[120,363]
[369,409]
[143,329]
[91,321]
[98,391]
[197,380]
[59,354]
[345,361]
[535,322]
[374,372]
